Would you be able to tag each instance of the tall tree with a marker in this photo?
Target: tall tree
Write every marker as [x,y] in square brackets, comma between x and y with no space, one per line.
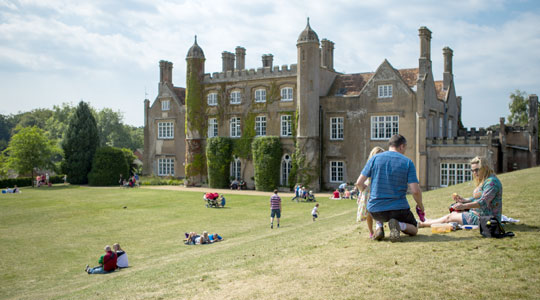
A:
[30,149]
[519,109]
[80,143]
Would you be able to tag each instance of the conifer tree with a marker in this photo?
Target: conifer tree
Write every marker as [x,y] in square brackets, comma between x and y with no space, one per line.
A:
[80,143]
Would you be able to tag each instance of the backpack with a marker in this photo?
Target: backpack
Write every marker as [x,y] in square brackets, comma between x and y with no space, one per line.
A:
[491,227]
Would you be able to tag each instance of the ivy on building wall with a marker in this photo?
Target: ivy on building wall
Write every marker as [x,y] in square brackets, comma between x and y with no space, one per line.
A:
[195,104]
[267,153]
[242,146]
[197,166]
[218,159]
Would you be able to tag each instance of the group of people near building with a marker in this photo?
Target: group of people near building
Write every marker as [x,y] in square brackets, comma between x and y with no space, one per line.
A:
[301,193]
[43,179]
[113,259]
[132,181]
[387,175]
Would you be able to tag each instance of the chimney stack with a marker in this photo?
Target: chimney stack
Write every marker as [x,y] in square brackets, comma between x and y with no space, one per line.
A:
[165,71]
[228,61]
[327,54]
[447,75]
[425,50]
[240,58]
[267,60]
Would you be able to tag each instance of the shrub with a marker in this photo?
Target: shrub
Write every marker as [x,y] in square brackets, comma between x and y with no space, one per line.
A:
[267,153]
[218,158]
[20,182]
[109,163]
[155,180]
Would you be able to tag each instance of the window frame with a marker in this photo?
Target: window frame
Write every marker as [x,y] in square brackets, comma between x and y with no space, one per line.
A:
[441,127]
[212,99]
[337,128]
[236,122]
[165,130]
[212,127]
[338,165]
[236,96]
[376,123]
[286,126]
[385,91]
[285,170]
[452,173]
[287,88]
[260,95]
[449,129]
[236,168]
[165,105]
[260,126]
[165,164]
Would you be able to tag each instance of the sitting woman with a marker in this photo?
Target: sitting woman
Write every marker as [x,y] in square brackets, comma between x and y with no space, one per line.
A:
[336,195]
[122,259]
[486,199]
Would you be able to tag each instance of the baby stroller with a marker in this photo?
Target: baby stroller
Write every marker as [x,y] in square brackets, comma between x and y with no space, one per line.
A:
[211,199]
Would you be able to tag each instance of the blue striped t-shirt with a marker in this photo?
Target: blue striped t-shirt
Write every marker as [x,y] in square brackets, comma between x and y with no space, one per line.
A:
[390,173]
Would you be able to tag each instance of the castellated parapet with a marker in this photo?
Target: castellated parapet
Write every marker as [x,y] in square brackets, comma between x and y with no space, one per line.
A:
[251,74]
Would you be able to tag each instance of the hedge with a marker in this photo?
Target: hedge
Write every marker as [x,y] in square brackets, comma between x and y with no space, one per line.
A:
[109,163]
[218,159]
[267,153]
[27,181]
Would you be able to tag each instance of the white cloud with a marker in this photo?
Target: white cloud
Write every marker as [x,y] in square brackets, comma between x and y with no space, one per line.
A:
[114,47]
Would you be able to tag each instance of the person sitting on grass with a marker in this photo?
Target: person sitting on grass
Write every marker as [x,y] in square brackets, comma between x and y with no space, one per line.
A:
[107,263]
[335,195]
[486,199]
[122,259]
[223,201]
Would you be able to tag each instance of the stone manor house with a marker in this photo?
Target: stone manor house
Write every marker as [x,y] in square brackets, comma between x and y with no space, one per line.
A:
[332,119]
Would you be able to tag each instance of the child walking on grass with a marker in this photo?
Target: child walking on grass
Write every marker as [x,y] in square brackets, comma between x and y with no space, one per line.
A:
[362,213]
[315,212]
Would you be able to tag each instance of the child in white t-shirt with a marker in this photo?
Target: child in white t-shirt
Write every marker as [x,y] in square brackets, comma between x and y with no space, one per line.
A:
[315,212]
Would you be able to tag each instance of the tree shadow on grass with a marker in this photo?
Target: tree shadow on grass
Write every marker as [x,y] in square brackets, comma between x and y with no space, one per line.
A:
[521,227]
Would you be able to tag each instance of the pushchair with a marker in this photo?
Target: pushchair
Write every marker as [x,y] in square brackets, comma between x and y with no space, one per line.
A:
[211,199]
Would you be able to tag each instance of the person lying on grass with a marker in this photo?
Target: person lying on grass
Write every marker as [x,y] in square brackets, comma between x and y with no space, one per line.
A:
[107,263]
[194,239]
[486,199]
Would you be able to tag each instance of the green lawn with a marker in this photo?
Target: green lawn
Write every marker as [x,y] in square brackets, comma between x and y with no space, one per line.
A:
[48,235]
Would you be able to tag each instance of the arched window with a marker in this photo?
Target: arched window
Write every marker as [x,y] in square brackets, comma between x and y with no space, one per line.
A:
[286,166]
[236,167]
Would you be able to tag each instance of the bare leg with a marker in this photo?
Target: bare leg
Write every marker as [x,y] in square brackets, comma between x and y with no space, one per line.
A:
[369,223]
[411,229]
[452,217]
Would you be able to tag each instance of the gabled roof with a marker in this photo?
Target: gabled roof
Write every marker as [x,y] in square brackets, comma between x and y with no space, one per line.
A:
[410,76]
[181,94]
[352,84]
[441,93]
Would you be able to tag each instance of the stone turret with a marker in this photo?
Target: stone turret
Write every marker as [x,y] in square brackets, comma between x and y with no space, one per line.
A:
[308,139]
[195,116]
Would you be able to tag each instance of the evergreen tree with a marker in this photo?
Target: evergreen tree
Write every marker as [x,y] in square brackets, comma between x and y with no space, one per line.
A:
[80,144]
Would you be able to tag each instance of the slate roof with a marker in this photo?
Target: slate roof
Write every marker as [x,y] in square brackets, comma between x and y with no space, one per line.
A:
[441,93]
[181,93]
[351,84]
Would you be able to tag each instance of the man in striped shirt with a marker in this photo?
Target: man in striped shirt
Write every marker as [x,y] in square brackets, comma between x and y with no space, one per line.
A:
[275,207]
[391,172]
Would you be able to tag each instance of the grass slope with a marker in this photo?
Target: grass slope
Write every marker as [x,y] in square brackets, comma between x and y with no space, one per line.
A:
[48,235]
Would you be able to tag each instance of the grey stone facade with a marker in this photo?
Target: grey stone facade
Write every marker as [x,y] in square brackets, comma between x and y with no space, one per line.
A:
[338,117]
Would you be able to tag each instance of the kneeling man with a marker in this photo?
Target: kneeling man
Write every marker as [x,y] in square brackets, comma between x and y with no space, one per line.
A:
[391,172]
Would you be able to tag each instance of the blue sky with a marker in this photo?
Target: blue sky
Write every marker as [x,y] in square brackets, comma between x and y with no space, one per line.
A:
[107,52]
